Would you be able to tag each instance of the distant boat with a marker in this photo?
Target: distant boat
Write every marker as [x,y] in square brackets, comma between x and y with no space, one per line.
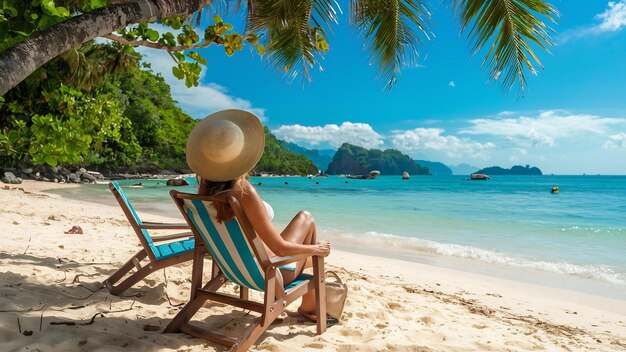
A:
[479,177]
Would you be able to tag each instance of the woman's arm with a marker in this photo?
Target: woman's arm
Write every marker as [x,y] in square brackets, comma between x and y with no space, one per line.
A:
[254,209]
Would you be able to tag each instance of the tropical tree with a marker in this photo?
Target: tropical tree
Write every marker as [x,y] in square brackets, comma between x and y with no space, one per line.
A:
[292,33]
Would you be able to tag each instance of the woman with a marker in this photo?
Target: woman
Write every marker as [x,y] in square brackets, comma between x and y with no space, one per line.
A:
[222,149]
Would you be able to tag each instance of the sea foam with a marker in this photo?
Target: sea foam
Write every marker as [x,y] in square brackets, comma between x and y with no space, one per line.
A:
[407,245]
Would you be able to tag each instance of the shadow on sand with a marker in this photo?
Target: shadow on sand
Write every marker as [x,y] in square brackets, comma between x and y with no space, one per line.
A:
[61,305]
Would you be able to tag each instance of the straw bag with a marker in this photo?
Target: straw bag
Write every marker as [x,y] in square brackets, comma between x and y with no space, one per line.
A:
[336,293]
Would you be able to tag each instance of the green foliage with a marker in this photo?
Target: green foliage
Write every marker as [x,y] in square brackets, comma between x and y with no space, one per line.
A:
[351,159]
[75,125]
[128,120]
[14,140]
[21,18]
[393,33]
[160,126]
[296,32]
[188,63]
[278,160]
[509,28]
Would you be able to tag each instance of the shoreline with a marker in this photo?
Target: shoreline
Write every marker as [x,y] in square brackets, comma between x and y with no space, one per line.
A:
[392,304]
[423,252]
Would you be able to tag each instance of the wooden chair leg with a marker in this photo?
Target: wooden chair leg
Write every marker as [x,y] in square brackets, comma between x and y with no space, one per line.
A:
[134,278]
[193,306]
[197,269]
[215,270]
[125,269]
[249,337]
[243,292]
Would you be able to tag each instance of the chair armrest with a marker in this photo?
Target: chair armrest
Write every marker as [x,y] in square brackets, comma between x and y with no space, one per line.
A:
[163,226]
[171,237]
[280,261]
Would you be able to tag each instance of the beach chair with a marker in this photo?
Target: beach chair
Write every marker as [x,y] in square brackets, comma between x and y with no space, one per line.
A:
[240,257]
[161,251]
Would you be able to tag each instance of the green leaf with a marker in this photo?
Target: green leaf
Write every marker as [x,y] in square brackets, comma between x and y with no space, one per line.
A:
[392,33]
[217,19]
[152,35]
[510,30]
[63,12]
[48,7]
[178,73]
[10,10]
[47,21]
[260,49]
[31,16]
[51,160]
[96,4]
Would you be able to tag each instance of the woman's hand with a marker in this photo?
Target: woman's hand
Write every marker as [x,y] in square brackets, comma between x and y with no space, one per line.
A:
[322,248]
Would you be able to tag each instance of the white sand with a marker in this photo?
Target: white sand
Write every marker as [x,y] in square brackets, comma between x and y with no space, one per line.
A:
[46,277]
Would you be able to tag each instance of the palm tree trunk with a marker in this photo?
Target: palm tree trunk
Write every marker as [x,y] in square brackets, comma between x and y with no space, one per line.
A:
[22,59]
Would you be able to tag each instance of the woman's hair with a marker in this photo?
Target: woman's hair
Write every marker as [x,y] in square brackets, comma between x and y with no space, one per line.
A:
[212,188]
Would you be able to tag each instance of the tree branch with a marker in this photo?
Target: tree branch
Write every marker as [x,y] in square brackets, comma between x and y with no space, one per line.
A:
[22,59]
[154,45]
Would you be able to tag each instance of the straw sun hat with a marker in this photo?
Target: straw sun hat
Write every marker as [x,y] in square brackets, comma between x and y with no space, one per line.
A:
[225,145]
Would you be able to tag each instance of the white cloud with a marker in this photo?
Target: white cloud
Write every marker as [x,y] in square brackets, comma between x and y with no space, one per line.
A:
[360,134]
[452,84]
[542,130]
[613,18]
[425,139]
[616,141]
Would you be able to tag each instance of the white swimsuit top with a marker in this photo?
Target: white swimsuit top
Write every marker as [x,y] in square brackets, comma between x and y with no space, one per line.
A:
[269,210]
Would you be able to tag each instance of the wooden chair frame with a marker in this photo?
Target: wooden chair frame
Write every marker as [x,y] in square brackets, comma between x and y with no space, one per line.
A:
[275,298]
[135,261]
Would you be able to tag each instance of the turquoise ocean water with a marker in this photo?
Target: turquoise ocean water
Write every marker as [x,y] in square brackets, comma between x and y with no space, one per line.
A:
[510,226]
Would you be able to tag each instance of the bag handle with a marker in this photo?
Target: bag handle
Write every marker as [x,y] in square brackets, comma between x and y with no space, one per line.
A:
[334,274]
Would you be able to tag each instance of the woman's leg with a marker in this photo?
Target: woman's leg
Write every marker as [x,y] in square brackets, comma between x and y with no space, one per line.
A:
[301,229]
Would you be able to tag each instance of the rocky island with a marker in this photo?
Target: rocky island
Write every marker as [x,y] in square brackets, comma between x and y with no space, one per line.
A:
[354,160]
[515,170]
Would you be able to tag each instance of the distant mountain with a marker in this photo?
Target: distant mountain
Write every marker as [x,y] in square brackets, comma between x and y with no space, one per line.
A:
[515,170]
[463,169]
[435,167]
[321,158]
[350,159]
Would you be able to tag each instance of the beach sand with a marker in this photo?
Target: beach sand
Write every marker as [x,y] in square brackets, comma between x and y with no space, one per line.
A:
[50,297]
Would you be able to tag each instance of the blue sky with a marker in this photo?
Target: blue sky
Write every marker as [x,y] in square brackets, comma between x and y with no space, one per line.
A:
[572,119]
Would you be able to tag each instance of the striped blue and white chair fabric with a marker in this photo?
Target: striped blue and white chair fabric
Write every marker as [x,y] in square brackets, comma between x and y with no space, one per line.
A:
[242,259]
[161,251]
[229,246]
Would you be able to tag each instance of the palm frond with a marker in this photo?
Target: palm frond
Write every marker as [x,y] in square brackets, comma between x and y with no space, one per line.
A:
[291,28]
[510,28]
[392,31]
[88,63]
